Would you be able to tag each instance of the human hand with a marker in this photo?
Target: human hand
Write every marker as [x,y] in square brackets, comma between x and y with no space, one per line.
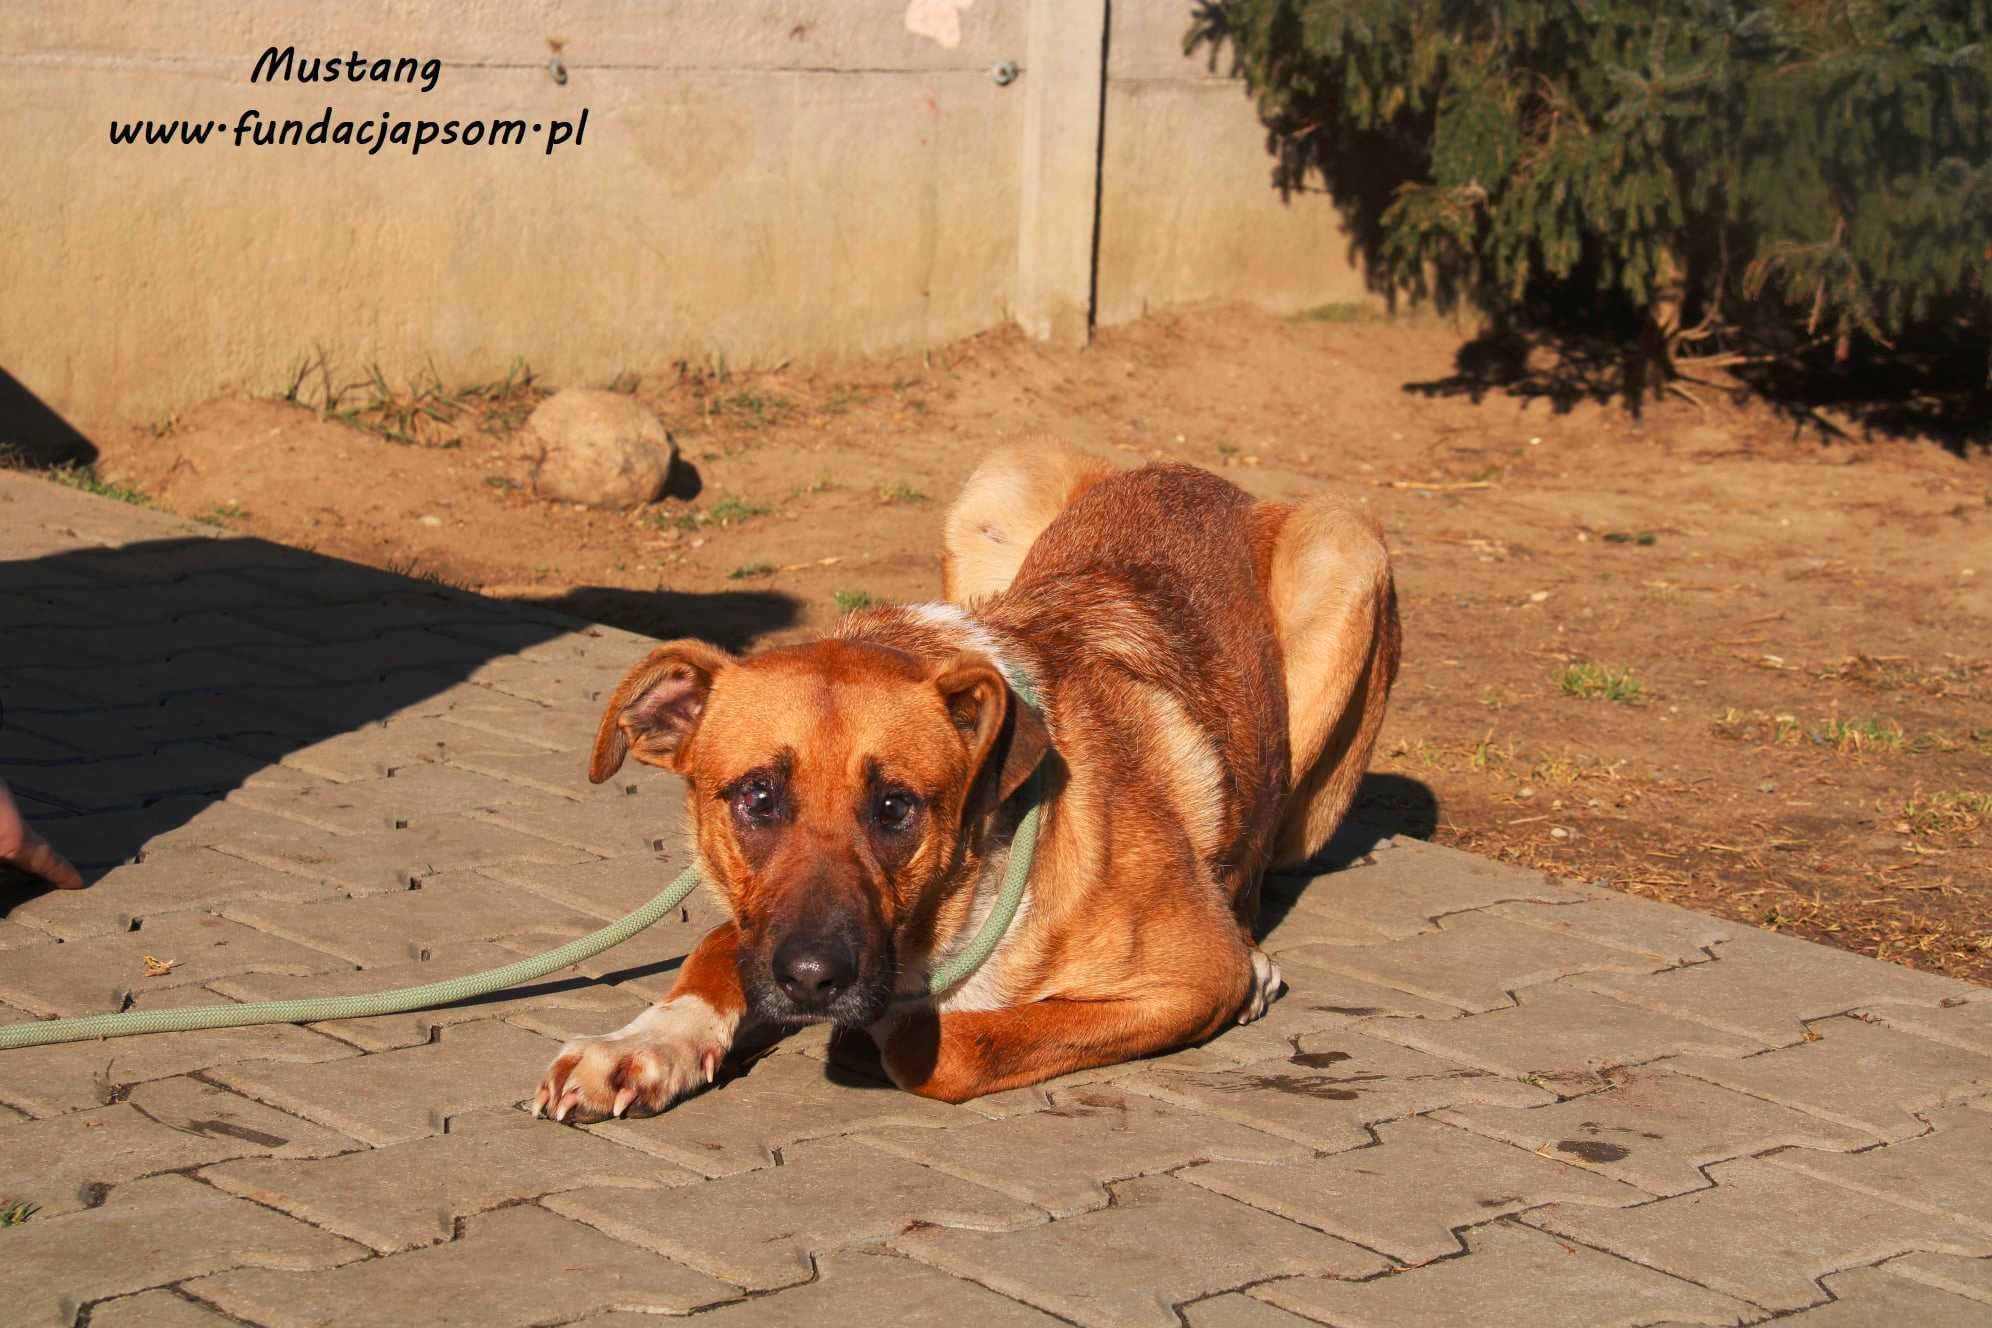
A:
[22,848]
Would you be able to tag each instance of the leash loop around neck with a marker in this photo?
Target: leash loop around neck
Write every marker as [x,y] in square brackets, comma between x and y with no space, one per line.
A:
[1016,872]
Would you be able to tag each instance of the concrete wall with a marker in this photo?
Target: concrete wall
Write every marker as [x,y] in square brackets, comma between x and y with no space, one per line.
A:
[760,179]
[1188,210]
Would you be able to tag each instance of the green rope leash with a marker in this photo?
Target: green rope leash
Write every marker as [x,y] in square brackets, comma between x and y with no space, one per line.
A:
[1023,847]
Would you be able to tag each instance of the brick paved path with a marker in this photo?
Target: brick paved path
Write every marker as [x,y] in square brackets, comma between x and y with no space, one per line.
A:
[1488,1097]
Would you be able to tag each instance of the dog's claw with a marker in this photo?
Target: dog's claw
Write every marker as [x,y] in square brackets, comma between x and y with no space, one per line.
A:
[623,1099]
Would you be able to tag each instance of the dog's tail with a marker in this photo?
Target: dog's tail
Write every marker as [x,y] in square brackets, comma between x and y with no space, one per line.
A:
[1007,503]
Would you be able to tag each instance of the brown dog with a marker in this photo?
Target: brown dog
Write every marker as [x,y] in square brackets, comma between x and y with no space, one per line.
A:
[1213,672]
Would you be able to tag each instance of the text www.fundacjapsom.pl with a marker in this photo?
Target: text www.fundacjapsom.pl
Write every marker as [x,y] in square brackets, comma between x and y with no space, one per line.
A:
[253,129]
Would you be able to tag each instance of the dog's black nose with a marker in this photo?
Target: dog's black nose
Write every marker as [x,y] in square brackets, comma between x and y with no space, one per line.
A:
[814,972]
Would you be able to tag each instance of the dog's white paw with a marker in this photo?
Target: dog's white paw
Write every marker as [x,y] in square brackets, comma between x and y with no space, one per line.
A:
[668,1051]
[1267,987]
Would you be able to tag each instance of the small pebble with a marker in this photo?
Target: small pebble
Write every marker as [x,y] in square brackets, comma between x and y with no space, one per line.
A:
[432,521]
[1768,786]
[1558,832]
[1525,791]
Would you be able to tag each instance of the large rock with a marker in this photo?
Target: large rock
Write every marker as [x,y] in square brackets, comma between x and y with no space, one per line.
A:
[599,448]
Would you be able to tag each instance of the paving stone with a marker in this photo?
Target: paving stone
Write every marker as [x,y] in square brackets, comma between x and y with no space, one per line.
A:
[157,1309]
[148,1233]
[1329,1094]
[1565,1037]
[566,729]
[488,1158]
[1763,1234]
[1062,1159]
[1405,1195]
[556,673]
[1966,1024]
[191,823]
[162,882]
[410,795]
[517,1266]
[370,750]
[1655,1130]
[1769,987]
[645,965]
[1211,1244]
[95,974]
[1513,1276]
[1476,960]
[378,863]
[167,1126]
[107,785]
[863,1287]
[1943,1172]
[1235,1309]
[391,1097]
[1317,999]
[608,888]
[1627,922]
[760,1229]
[1398,896]
[601,1005]
[1865,1297]
[1971,1278]
[596,825]
[449,908]
[1866,1075]
[14,935]
[47,1081]
[782,1100]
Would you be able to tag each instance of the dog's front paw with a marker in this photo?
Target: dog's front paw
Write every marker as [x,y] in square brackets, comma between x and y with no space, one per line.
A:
[663,1054]
[1267,987]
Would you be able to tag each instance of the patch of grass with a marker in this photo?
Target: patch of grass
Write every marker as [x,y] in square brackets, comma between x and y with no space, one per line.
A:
[1596,682]
[748,407]
[85,479]
[748,571]
[850,601]
[424,413]
[502,483]
[1487,755]
[1340,311]
[13,1212]
[893,495]
[731,510]
[222,515]
[1869,733]
[1952,812]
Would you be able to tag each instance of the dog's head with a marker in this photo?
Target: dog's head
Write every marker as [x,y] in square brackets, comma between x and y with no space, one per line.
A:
[833,787]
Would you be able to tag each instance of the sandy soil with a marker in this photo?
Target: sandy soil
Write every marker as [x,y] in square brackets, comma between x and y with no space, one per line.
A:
[1802,739]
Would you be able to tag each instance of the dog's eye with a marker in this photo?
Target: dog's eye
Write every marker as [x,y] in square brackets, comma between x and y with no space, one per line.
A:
[755,801]
[896,809]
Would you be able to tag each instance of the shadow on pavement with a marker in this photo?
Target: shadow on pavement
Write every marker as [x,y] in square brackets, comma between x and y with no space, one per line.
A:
[140,684]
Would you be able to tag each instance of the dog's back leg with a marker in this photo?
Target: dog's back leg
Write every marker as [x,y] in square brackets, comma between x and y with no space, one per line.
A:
[1009,500]
[1335,606]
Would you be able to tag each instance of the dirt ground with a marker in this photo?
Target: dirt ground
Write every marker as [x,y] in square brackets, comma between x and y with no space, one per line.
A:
[1701,655]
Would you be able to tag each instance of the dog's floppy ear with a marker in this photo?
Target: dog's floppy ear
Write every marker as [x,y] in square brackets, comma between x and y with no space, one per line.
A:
[1006,739]
[657,707]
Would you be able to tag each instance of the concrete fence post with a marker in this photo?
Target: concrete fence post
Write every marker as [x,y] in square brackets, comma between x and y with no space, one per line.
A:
[1064,85]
